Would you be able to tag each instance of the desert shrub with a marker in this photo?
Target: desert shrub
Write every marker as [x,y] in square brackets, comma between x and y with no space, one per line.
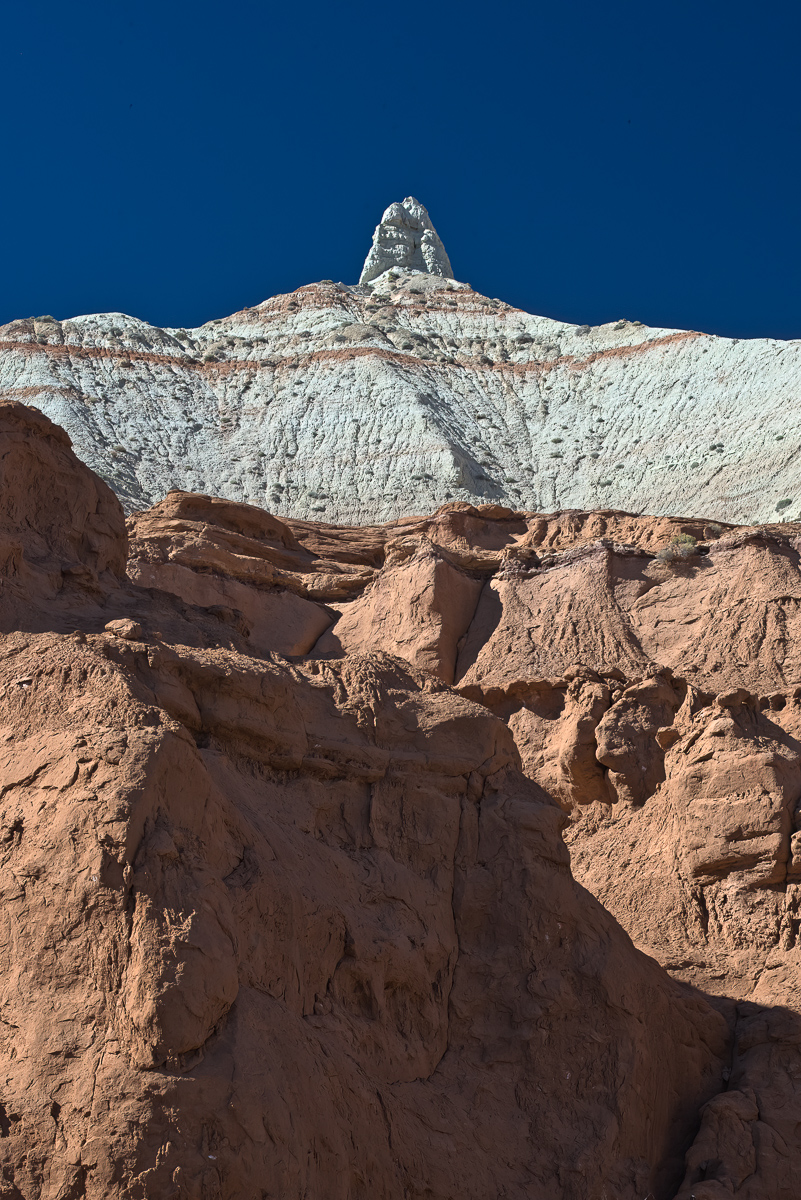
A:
[713,530]
[780,507]
[681,546]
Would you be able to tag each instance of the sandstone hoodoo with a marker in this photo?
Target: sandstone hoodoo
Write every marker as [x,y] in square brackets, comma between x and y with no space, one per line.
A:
[451,856]
[367,402]
[406,239]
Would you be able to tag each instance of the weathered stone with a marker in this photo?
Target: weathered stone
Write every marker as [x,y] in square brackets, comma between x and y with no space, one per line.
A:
[406,238]
[311,930]
[366,403]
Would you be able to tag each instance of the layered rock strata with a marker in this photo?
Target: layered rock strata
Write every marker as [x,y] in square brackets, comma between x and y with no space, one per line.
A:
[366,403]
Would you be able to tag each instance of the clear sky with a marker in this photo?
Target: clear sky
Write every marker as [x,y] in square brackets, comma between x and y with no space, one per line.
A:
[585,161]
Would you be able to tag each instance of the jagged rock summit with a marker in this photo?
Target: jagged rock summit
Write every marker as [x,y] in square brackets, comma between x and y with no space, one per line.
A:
[406,238]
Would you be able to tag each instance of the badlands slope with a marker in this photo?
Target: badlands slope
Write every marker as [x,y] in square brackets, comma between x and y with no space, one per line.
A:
[363,403]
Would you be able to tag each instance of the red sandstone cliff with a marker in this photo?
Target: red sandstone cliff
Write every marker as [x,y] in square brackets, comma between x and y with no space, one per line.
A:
[288,908]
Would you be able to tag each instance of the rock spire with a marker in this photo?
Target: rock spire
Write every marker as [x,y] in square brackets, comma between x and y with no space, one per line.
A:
[406,238]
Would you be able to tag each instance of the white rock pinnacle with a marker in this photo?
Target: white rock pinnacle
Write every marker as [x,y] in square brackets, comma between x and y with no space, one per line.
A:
[406,238]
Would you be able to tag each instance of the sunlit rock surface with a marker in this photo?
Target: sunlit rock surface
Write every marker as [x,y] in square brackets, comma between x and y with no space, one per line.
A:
[365,403]
[406,238]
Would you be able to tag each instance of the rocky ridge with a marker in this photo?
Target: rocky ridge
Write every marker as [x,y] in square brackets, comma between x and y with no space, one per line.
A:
[365,403]
[286,808]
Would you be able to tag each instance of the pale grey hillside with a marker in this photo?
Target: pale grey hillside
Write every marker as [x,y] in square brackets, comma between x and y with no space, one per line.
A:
[363,403]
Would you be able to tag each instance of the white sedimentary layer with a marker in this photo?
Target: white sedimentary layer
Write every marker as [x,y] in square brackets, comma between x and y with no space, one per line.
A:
[360,404]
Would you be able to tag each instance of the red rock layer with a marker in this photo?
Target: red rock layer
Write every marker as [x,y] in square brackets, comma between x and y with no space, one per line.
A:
[288,909]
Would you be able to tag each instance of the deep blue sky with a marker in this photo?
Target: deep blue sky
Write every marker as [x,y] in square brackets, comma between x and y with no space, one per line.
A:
[587,161]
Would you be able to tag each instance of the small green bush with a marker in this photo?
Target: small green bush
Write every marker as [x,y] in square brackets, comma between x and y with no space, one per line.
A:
[780,507]
[680,547]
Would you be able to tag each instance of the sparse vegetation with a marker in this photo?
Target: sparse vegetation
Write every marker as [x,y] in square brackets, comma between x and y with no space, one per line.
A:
[680,547]
[782,505]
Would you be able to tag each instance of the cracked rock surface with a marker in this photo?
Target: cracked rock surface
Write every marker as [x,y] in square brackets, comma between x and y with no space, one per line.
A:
[455,856]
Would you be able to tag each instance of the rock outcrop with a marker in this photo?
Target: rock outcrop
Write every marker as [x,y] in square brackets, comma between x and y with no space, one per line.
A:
[288,906]
[656,699]
[411,390]
[406,239]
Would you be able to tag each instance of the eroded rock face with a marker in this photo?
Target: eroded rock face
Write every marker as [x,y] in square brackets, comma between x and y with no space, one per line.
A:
[406,239]
[312,904]
[370,402]
[56,518]
[419,607]
[288,904]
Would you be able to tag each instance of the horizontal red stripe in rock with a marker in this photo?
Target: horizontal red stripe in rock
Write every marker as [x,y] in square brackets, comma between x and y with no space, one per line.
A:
[344,355]
[25,393]
[683,335]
